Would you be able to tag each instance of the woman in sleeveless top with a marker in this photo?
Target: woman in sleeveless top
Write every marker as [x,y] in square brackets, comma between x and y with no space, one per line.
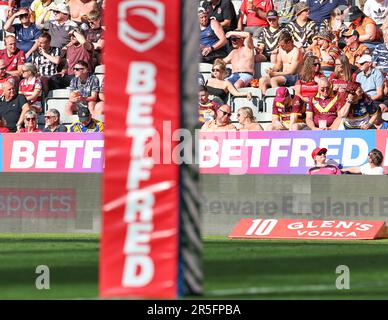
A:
[218,87]
[307,86]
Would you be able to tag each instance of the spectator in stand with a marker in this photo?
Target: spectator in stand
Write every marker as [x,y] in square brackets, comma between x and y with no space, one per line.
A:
[255,12]
[365,26]
[321,166]
[86,123]
[12,107]
[354,49]
[321,10]
[31,87]
[4,76]
[221,122]
[241,57]
[380,123]
[370,78]
[286,10]
[13,57]
[81,8]
[323,110]
[60,80]
[52,120]
[26,32]
[78,49]
[223,11]
[38,7]
[380,54]
[3,125]
[59,27]
[219,87]
[307,86]
[287,67]
[30,122]
[335,24]
[288,112]
[95,35]
[84,89]
[372,167]
[207,108]
[326,51]
[211,39]
[302,29]
[377,10]
[99,108]
[342,74]
[358,111]
[46,59]
[268,41]
[247,121]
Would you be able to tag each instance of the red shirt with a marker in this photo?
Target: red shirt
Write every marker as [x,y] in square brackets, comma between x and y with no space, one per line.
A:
[308,89]
[27,88]
[15,60]
[253,19]
[283,112]
[4,130]
[324,109]
[339,85]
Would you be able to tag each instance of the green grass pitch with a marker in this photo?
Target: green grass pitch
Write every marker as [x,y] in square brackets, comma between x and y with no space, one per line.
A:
[233,269]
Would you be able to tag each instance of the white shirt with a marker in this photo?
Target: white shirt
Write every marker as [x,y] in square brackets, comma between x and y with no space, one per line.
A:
[366,169]
[377,11]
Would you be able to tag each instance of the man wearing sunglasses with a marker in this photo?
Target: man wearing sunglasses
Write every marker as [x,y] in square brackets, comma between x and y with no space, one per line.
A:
[26,32]
[354,49]
[59,27]
[321,165]
[221,122]
[241,57]
[84,89]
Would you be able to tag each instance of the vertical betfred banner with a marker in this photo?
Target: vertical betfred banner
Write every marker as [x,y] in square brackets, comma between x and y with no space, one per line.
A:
[139,245]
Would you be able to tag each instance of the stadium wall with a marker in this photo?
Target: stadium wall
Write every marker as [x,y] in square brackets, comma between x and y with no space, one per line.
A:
[226,199]
[50,202]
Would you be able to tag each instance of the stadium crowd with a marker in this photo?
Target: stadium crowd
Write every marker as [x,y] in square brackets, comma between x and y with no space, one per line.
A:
[312,65]
[51,46]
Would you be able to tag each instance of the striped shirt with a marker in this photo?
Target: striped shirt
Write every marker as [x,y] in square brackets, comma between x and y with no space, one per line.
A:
[270,39]
[380,57]
[303,34]
[45,66]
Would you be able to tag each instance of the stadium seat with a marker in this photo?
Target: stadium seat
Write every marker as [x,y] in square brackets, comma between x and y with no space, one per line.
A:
[205,67]
[237,5]
[100,69]
[238,102]
[100,78]
[56,103]
[206,75]
[59,93]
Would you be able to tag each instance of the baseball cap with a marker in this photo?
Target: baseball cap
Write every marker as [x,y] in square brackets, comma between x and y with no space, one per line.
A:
[364,58]
[350,32]
[61,7]
[83,114]
[317,150]
[272,14]
[281,94]
[354,13]
[201,10]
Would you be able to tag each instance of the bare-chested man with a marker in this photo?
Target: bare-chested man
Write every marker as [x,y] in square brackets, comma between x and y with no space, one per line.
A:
[80,8]
[242,58]
[287,67]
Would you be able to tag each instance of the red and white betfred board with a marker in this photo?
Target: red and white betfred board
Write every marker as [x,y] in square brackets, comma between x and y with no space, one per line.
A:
[139,245]
[308,229]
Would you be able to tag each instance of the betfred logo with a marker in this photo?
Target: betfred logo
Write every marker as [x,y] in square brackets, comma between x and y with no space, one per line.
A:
[141,23]
[308,229]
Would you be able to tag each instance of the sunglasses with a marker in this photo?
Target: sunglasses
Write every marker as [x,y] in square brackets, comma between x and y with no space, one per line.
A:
[226,113]
[78,69]
[48,117]
[234,39]
[56,12]
[316,64]
[325,88]
[361,64]
[24,15]
[321,153]
[215,69]
[30,119]
[3,68]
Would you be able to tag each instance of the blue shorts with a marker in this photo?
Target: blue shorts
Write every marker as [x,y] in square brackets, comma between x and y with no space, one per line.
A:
[244,76]
[291,79]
